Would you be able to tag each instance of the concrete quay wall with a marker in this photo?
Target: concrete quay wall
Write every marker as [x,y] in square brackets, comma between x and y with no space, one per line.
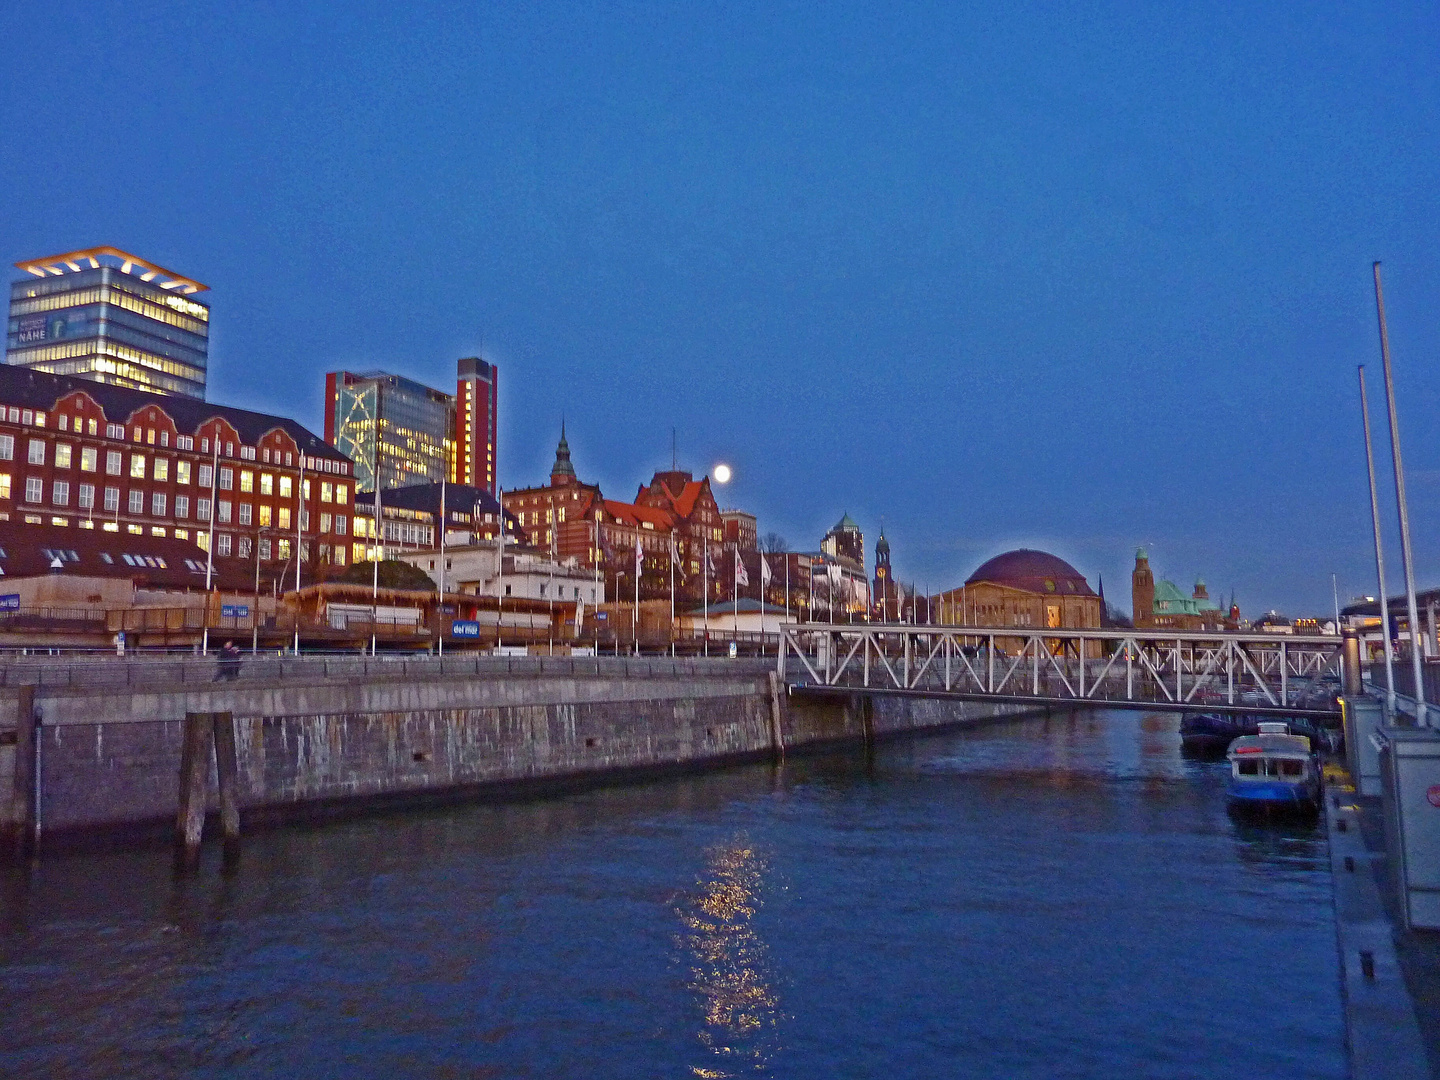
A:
[111,759]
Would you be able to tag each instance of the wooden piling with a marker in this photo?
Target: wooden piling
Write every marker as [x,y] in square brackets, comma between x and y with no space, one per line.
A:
[227,771]
[777,734]
[194,781]
[24,813]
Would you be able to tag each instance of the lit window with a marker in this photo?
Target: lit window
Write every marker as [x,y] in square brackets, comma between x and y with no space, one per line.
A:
[247,480]
[162,469]
[264,516]
[341,493]
[62,455]
[137,466]
[327,491]
[283,518]
[89,459]
[285,487]
[267,484]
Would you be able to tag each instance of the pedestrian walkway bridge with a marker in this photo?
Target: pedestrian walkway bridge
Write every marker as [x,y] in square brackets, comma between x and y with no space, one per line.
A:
[1251,672]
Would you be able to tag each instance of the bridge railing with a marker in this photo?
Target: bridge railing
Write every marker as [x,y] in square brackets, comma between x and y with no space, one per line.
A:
[1172,667]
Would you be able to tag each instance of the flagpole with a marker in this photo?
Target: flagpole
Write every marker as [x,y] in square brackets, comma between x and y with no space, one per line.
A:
[1407,562]
[440,643]
[299,543]
[735,594]
[595,562]
[1379,552]
[635,625]
[209,543]
[672,590]
[705,586]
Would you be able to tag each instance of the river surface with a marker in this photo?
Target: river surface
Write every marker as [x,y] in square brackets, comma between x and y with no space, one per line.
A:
[1056,897]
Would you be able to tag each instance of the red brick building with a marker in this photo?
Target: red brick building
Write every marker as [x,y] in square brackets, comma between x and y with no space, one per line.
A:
[575,521]
[85,455]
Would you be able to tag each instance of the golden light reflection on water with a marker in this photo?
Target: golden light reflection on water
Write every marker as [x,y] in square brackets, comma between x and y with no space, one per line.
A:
[728,966]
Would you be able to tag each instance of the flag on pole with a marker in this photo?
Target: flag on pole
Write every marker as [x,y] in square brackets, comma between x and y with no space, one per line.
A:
[764,571]
[637,557]
[741,577]
[674,552]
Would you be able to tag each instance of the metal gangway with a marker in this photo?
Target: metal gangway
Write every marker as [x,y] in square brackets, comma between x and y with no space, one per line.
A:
[1251,671]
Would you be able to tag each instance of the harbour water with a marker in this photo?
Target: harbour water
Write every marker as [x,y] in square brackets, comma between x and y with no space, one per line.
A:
[1050,897]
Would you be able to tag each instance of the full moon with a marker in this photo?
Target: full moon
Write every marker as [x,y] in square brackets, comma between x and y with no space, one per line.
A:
[722,474]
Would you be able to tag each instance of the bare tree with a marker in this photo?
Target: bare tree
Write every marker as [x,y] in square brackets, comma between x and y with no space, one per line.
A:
[773,542]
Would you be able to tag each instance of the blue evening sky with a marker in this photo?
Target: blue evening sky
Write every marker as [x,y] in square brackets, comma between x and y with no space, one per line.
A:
[1075,276]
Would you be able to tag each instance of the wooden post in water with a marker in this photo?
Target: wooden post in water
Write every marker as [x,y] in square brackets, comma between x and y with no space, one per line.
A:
[195,754]
[777,735]
[227,772]
[24,813]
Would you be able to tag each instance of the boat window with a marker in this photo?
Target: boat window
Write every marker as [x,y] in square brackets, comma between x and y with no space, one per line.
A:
[1246,768]
[1272,767]
[1291,768]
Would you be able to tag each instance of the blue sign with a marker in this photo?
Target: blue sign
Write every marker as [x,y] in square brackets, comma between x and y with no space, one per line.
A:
[234,611]
[10,602]
[464,628]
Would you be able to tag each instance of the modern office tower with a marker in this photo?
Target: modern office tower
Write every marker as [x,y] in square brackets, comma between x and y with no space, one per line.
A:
[108,316]
[476,405]
[397,431]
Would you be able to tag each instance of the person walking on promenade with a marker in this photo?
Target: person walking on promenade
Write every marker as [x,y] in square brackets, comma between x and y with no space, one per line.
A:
[228,665]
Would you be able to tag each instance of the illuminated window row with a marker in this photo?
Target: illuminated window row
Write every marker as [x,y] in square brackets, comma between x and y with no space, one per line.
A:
[56,301]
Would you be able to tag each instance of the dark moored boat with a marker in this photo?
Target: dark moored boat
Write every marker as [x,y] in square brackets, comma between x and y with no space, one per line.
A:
[1210,734]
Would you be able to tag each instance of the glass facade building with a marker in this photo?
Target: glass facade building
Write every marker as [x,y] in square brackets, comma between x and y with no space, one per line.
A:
[398,432]
[110,317]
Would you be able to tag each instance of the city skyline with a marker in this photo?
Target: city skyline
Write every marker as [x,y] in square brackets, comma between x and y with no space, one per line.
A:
[1003,282]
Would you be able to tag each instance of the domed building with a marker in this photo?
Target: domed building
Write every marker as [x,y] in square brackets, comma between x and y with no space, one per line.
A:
[1023,588]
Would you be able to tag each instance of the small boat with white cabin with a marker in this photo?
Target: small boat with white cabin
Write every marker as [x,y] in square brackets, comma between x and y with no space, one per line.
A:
[1273,772]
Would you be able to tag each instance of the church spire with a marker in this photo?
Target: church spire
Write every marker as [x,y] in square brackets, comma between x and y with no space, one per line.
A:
[562,472]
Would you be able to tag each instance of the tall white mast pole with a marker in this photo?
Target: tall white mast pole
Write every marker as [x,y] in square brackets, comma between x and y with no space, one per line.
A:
[209,542]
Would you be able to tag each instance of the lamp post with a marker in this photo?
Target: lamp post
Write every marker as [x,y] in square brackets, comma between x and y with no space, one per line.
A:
[723,475]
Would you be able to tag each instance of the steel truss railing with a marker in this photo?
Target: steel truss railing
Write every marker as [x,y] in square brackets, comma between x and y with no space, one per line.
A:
[1173,667]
